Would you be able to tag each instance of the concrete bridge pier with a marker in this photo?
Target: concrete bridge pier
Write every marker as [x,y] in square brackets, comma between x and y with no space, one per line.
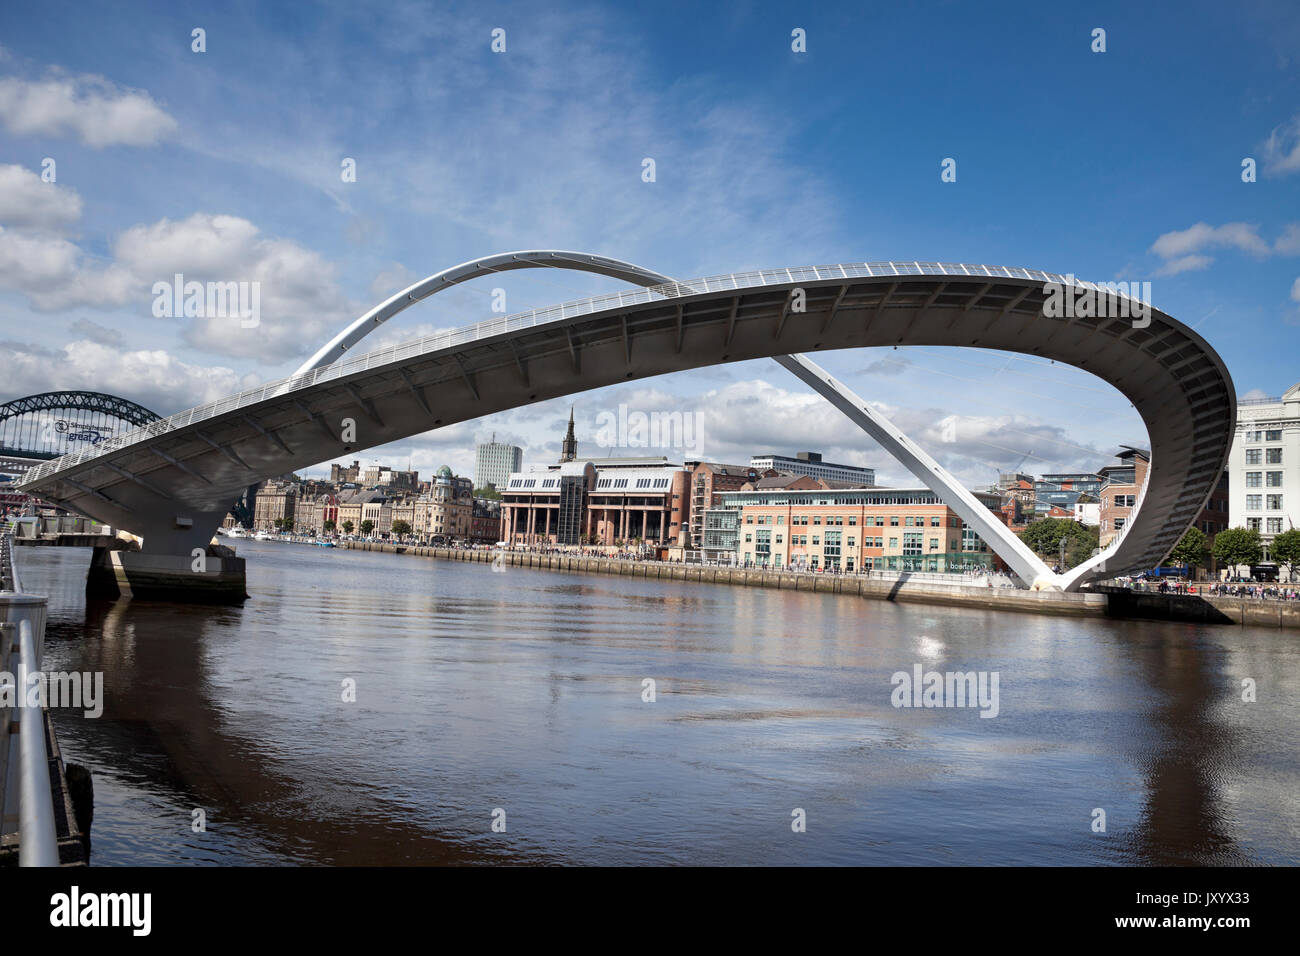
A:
[209,578]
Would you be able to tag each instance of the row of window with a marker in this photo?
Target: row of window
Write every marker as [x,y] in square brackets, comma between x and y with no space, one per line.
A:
[1255,502]
[1263,456]
[1268,434]
[1255,479]
[1269,525]
[838,520]
[892,562]
[911,542]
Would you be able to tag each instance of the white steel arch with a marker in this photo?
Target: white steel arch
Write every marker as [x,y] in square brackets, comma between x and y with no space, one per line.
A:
[334,349]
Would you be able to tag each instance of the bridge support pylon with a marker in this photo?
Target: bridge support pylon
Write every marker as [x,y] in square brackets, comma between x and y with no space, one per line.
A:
[206,578]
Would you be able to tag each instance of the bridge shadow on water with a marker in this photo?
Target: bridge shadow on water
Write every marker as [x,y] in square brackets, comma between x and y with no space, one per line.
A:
[163,726]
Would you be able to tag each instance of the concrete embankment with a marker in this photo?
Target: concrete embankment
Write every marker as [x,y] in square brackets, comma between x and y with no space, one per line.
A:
[1106,602]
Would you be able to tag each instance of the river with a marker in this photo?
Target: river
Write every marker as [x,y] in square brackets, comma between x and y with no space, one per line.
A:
[519,697]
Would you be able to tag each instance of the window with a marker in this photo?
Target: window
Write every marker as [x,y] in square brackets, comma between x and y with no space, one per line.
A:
[1253,456]
[851,542]
[817,539]
[1273,434]
[1119,524]
[1254,436]
[1274,502]
[780,519]
[749,519]
[1273,456]
[1274,525]
[911,542]
[1254,502]
[1252,524]
[779,538]
[817,519]
[934,544]
[1253,478]
[853,522]
[893,521]
[1274,480]
[934,521]
[893,542]
[908,521]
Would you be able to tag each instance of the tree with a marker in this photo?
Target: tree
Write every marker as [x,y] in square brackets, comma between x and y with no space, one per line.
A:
[1044,538]
[488,492]
[1234,546]
[1286,549]
[1191,550]
[347,527]
[401,528]
[330,526]
[367,526]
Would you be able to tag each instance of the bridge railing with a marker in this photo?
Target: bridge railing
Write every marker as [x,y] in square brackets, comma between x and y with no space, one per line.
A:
[737,281]
[22,639]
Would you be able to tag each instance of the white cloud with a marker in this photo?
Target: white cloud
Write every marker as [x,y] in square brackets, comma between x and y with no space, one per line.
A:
[1288,244]
[154,378]
[1238,235]
[1184,264]
[28,202]
[301,305]
[86,107]
[1282,148]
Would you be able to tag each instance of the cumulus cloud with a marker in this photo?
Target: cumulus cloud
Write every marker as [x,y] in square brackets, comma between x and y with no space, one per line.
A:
[152,377]
[1238,235]
[29,203]
[1184,250]
[86,107]
[300,304]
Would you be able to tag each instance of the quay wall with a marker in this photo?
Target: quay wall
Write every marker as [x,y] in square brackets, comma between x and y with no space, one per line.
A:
[1104,602]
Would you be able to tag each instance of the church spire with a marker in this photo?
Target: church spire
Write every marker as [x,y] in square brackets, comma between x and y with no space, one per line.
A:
[569,449]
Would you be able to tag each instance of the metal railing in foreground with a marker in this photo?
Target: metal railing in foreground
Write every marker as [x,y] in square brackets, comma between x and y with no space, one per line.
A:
[24,615]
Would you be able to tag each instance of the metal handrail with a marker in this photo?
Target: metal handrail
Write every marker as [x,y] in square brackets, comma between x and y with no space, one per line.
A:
[8,569]
[38,844]
[737,281]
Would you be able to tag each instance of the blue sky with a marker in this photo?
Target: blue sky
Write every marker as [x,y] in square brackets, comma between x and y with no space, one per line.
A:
[226,165]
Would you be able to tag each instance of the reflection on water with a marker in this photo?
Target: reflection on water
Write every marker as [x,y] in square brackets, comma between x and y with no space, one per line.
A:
[523,691]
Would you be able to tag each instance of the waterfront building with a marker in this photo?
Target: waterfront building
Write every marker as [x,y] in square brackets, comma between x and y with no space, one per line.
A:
[452,506]
[850,529]
[810,463]
[1264,469]
[494,462]
[276,501]
[485,520]
[620,502]
[708,480]
[1122,482]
